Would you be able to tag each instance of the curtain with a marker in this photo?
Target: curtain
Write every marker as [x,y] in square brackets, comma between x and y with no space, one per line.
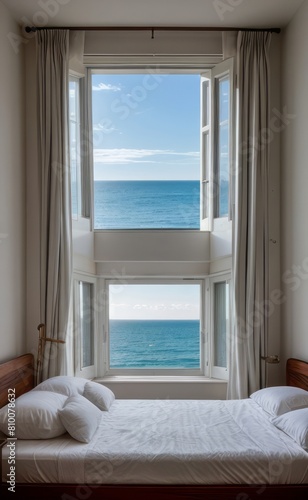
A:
[56,231]
[250,223]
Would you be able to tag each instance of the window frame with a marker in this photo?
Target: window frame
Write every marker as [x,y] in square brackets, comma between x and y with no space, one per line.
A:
[208,72]
[218,372]
[77,150]
[83,153]
[206,337]
[80,371]
[151,372]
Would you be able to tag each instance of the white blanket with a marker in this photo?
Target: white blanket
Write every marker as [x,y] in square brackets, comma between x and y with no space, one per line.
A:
[169,442]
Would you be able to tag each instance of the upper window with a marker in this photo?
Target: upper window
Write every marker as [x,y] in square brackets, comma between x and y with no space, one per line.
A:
[147,152]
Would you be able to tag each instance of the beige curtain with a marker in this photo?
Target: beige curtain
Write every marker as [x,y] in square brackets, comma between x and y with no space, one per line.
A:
[56,232]
[250,224]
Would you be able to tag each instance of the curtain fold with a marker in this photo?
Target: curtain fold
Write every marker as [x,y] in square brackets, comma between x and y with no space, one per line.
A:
[56,231]
[250,224]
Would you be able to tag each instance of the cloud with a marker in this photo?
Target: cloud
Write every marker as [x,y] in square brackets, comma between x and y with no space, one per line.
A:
[105,128]
[106,86]
[126,156]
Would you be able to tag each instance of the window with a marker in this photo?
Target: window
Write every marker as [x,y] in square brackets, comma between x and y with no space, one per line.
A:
[147,152]
[85,324]
[79,149]
[216,143]
[154,328]
[162,150]
[74,142]
[220,324]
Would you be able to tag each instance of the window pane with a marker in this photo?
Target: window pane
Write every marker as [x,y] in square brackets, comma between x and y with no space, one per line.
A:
[154,326]
[86,323]
[146,150]
[206,103]
[223,155]
[221,318]
[74,140]
[73,99]
[205,174]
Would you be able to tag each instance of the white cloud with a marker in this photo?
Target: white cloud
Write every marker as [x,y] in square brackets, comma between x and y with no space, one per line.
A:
[106,86]
[105,128]
[123,156]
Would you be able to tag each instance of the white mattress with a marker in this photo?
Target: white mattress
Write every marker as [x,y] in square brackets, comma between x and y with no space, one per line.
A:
[169,442]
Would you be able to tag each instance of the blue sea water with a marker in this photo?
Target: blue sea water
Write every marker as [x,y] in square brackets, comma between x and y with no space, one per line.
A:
[146,204]
[154,344]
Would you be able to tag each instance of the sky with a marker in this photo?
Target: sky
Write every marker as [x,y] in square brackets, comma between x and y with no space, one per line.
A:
[154,302]
[146,126]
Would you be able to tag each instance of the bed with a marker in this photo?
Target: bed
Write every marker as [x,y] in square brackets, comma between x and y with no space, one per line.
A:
[247,456]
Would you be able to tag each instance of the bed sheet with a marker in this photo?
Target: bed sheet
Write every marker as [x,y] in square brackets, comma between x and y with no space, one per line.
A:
[169,442]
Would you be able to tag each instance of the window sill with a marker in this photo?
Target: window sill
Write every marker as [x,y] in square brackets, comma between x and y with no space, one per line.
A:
[158,379]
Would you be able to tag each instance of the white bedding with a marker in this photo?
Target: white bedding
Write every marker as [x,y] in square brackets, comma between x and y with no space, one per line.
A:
[169,442]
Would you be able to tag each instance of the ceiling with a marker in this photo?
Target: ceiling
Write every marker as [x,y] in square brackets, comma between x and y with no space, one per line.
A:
[235,13]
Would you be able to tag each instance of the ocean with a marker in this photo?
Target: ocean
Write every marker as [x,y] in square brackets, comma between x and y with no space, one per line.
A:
[147,204]
[154,344]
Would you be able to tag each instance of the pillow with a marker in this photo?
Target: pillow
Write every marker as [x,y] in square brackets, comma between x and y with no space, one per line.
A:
[36,416]
[99,395]
[295,425]
[69,386]
[279,400]
[80,418]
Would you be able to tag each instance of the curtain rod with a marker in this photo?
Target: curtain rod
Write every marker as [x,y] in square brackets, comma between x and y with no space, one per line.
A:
[33,29]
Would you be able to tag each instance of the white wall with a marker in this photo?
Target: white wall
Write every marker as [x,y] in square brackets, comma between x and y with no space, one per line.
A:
[294,193]
[33,203]
[12,194]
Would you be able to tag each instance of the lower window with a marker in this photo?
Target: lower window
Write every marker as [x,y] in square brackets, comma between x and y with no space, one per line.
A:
[155,327]
[150,327]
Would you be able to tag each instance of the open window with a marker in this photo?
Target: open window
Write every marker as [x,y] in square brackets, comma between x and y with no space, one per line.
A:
[220,325]
[85,326]
[74,142]
[147,147]
[217,132]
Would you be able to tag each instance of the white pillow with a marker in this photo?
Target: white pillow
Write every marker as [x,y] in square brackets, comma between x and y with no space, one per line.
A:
[99,395]
[80,418]
[295,424]
[36,416]
[69,386]
[279,400]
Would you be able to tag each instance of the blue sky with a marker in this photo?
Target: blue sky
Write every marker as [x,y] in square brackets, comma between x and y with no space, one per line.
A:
[154,302]
[146,126]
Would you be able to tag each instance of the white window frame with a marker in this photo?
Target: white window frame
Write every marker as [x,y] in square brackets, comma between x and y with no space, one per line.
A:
[217,371]
[80,371]
[77,123]
[209,155]
[107,371]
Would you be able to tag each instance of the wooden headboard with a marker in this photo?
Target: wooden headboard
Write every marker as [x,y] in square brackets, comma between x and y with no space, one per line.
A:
[297,373]
[16,374]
